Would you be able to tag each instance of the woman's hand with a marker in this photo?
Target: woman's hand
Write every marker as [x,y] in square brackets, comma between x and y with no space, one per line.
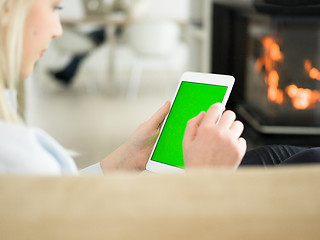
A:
[141,142]
[135,152]
[207,143]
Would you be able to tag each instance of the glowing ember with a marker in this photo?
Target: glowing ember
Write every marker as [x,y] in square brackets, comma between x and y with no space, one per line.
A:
[311,71]
[301,98]
[268,60]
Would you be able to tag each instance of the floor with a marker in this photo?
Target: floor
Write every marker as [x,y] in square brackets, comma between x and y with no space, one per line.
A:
[93,116]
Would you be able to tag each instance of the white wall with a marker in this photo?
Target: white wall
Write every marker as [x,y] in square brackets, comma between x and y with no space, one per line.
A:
[176,9]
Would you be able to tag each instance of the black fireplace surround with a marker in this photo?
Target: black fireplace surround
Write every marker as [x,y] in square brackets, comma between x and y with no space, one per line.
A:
[231,45]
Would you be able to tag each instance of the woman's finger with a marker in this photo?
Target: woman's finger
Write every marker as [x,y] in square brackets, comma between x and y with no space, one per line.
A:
[237,128]
[243,146]
[227,119]
[213,114]
[192,127]
[160,115]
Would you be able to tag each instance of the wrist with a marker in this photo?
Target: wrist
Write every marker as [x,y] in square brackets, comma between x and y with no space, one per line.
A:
[123,161]
[116,160]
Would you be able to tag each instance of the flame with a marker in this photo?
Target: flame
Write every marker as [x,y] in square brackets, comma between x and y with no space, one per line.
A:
[301,98]
[273,78]
[271,54]
[313,72]
[275,53]
[274,94]
[307,65]
[268,60]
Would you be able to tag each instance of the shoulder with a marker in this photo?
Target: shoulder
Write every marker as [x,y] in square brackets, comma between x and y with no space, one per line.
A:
[31,150]
[19,135]
[15,135]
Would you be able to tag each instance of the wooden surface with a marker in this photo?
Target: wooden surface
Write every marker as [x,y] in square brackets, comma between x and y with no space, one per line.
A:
[279,203]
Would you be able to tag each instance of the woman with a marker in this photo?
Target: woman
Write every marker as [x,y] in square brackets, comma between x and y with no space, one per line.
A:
[27,26]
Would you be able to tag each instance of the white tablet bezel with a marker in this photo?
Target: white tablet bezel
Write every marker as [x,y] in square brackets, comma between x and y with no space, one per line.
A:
[195,77]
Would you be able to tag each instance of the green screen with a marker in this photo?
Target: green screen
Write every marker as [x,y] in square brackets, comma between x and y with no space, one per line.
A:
[191,99]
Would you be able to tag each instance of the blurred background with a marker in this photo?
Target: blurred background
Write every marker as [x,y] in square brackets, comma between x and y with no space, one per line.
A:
[117,62]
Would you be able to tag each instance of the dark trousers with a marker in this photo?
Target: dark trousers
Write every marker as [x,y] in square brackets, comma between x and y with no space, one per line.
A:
[277,155]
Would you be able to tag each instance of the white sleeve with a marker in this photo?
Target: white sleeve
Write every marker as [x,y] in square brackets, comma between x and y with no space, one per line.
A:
[28,150]
[94,169]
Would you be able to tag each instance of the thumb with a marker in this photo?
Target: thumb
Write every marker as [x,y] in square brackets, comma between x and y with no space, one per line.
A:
[160,115]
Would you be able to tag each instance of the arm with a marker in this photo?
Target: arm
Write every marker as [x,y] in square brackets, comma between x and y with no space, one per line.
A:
[209,144]
[133,155]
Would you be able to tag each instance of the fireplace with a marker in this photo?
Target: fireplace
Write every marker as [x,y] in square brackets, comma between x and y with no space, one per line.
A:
[272,47]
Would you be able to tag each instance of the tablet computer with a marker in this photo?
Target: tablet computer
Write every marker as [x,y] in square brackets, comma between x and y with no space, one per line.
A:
[196,92]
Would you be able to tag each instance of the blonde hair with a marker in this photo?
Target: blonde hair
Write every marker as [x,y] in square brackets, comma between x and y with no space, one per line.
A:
[12,17]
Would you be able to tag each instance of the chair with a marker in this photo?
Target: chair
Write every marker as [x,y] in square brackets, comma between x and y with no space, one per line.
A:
[153,42]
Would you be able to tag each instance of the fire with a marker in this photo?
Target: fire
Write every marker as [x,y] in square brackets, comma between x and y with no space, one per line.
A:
[268,60]
[301,98]
[311,71]
[271,55]
[274,93]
